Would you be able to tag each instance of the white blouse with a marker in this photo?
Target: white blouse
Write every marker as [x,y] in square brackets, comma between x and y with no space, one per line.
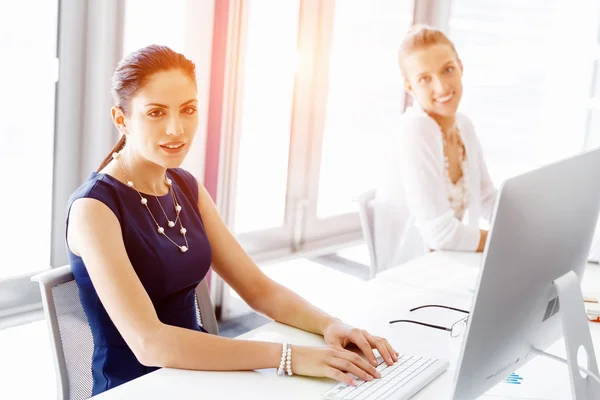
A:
[412,207]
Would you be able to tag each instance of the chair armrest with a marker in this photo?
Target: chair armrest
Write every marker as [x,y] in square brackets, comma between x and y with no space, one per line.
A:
[54,276]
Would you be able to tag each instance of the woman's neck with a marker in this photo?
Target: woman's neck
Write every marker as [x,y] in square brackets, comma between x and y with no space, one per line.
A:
[446,124]
[146,176]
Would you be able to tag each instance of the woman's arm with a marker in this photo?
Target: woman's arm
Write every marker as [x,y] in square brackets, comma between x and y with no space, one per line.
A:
[93,228]
[264,295]
[261,293]
[420,167]
[95,234]
[482,240]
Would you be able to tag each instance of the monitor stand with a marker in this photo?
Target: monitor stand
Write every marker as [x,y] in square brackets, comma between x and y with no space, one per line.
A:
[577,333]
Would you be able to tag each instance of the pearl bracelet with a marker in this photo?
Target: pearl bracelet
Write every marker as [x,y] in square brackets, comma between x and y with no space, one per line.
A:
[285,365]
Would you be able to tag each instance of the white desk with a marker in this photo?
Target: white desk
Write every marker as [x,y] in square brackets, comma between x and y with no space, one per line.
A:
[371,306]
[456,272]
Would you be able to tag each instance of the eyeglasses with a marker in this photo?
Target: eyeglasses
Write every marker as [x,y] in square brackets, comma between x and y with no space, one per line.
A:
[455,330]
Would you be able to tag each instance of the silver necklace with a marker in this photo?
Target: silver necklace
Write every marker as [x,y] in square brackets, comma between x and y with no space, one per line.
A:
[144,201]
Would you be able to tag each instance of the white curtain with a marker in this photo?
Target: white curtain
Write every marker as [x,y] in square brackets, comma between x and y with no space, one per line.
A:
[90,45]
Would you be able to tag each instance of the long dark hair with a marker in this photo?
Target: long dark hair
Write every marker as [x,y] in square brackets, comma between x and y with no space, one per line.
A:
[132,73]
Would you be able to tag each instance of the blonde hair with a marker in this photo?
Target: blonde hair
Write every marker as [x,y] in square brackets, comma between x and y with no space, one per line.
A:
[420,37]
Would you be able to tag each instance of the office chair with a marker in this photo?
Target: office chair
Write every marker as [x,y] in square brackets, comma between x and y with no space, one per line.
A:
[71,337]
[367,221]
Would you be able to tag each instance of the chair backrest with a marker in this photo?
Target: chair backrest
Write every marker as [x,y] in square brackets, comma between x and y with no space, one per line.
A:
[205,309]
[367,221]
[70,334]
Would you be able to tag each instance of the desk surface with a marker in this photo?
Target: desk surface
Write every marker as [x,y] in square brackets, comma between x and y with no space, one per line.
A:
[389,296]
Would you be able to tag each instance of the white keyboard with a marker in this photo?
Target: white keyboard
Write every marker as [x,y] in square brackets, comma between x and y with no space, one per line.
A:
[400,381]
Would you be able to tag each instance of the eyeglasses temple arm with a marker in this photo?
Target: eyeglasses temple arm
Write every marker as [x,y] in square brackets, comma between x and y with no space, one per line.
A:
[439,306]
[421,323]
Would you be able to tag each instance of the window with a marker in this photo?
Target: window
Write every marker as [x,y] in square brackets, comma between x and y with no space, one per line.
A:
[365,98]
[151,22]
[314,102]
[526,84]
[268,70]
[29,70]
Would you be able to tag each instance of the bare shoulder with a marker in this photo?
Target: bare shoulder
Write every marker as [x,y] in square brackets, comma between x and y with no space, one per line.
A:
[87,209]
[203,195]
[89,216]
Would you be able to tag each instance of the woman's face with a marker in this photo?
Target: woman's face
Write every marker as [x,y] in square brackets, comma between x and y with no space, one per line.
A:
[433,76]
[164,118]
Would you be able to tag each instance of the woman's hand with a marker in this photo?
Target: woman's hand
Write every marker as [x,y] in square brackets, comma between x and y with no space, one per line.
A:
[332,362]
[341,335]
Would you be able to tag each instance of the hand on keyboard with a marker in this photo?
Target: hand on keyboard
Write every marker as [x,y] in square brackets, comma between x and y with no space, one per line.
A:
[400,381]
[341,335]
[332,362]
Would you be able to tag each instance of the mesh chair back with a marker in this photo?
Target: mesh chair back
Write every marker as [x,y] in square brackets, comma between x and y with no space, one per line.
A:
[75,339]
[205,309]
[70,334]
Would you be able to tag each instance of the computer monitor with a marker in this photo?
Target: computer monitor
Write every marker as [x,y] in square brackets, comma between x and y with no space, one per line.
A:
[542,229]
[594,256]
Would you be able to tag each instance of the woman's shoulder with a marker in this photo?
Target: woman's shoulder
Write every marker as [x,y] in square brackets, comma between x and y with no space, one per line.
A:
[467,128]
[185,180]
[101,187]
[465,123]
[96,185]
[182,174]
[415,119]
[416,128]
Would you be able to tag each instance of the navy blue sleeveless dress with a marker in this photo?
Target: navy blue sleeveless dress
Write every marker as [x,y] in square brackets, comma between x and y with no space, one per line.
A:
[169,276]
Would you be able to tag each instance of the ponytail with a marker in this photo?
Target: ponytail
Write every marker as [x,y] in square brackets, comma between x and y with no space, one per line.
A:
[118,147]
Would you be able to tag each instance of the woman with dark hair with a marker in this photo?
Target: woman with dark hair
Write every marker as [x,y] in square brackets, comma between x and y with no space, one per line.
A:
[142,233]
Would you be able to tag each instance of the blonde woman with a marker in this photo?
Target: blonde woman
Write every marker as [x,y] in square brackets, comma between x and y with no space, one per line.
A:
[435,187]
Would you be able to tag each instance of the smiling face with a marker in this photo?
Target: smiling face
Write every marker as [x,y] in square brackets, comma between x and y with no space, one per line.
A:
[433,76]
[163,118]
